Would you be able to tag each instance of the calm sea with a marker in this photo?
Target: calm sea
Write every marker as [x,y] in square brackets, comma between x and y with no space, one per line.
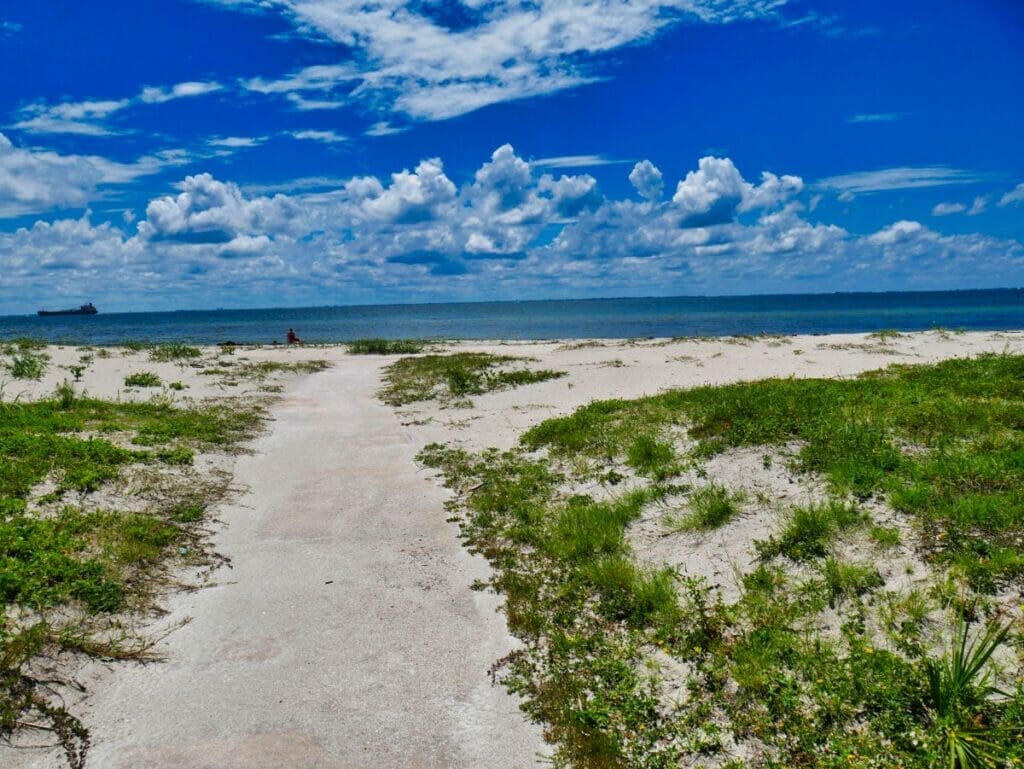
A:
[569,319]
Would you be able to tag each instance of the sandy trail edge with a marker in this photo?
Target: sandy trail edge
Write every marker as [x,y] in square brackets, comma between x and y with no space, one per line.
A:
[385,666]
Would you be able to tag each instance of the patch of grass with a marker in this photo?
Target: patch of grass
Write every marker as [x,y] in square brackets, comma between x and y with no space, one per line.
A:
[885,335]
[142,379]
[174,351]
[386,346]
[710,507]
[650,456]
[136,345]
[844,579]
[27,365]
[885,536]
[450,377]
[964,417]
[264,369]
[808,532]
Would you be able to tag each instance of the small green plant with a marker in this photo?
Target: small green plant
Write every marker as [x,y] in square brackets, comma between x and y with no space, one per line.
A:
[386,346]
[885,335]
[174,351]
[650,456]
[847,580]
[136,345]
[176,386]
[27,365]
[66,395]
[809,531]
[142,379]
[711,507]
[885,536]
[448,377]
[960,690]
[76,372]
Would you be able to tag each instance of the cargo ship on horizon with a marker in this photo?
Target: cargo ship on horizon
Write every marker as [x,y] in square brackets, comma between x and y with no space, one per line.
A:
[85,309]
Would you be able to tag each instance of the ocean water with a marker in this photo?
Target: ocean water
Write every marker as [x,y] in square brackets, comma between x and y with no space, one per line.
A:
[1000,309]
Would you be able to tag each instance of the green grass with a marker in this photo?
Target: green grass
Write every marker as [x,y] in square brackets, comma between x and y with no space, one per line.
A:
[142,379]
[844,579]
[77,570]
[964,417]
[710,507]
[386,346]
[942,444]
[809,531]
[174,351]
[453,377]
[27,364]
[263,369]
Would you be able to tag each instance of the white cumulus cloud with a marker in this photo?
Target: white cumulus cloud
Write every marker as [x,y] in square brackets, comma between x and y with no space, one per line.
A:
[647,180]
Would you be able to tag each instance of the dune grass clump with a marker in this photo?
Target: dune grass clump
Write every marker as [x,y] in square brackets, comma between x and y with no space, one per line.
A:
[174,351]
[142,379]
[27,364]
[710,507]
[455,376]
[386,346]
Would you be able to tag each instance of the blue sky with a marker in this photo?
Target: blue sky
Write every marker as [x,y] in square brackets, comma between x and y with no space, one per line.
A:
[197,153]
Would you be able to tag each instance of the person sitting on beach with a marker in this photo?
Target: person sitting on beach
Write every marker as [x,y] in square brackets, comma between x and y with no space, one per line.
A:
[293,338]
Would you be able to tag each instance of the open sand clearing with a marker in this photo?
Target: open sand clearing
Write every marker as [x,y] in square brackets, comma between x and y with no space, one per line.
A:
[346,635]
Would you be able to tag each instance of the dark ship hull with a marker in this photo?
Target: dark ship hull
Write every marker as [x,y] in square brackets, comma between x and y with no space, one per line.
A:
[85,309]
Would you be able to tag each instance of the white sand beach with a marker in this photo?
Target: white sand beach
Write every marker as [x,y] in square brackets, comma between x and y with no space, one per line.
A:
[344,633]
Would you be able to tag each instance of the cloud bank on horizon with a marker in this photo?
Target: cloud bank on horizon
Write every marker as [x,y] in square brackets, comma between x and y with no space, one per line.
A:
[300,160]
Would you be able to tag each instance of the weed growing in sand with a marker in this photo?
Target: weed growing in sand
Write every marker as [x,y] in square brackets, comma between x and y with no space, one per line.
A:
[809,531]
[452,377]
[886,335]
[386,346]
[28,365]
[264,369]
[941,444]
[174,351]
[142,379]
[710,507]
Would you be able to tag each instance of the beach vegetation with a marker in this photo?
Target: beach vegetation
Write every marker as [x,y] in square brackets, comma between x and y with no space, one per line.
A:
[386,346]
[451,378]
[27,364]
[264,369]
[820,660]
[74,573]
[709,507]
[174,352]
[142,379]
[136,345]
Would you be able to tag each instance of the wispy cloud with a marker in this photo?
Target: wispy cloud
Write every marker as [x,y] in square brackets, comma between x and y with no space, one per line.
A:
[89,118]
[902,178]
[576,161]
[84,118]
[1016,195]
[384,128]
[877,117]
[9,28]
[946,209]
[399,56]
[155,95]
[325,137]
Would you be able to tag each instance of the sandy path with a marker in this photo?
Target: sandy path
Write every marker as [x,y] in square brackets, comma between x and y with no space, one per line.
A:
[344,635]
